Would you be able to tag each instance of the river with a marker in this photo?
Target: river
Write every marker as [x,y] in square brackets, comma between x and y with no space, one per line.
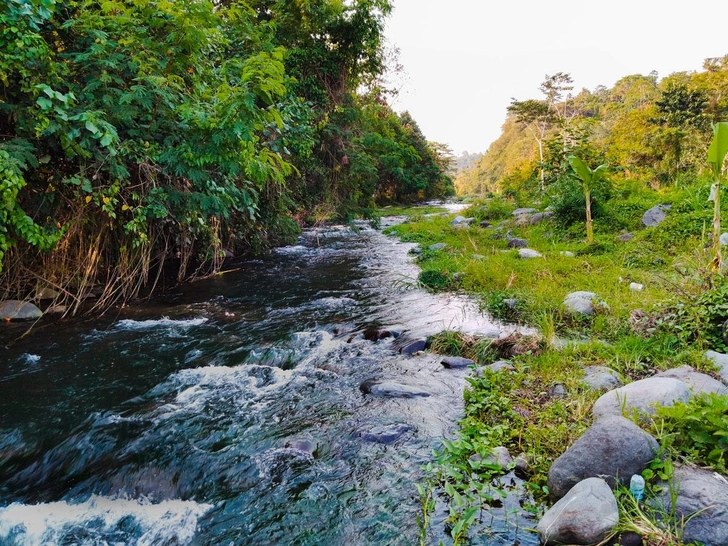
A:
[231,412]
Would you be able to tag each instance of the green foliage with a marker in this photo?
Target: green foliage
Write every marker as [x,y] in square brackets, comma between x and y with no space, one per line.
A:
[435,281]
[697,429]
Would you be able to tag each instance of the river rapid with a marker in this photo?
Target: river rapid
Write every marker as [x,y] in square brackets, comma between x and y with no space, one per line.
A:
[231,412]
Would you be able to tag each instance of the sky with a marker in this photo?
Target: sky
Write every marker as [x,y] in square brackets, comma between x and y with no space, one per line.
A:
[464,60]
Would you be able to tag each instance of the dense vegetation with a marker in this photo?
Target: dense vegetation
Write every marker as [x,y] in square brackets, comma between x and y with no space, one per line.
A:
[134,133]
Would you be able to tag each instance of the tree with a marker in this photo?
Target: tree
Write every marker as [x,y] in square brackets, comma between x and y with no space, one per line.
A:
[588,178]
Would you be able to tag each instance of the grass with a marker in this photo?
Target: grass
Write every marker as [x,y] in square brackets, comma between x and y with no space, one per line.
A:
[671,322]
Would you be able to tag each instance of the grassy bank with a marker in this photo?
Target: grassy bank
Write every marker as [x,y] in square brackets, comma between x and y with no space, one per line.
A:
[542,406]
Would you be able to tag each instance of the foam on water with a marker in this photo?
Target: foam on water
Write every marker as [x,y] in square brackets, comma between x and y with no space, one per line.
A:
[101,521]
[165,322]
[30,359]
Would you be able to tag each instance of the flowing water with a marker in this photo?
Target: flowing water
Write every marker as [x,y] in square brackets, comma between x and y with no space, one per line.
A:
[232,412]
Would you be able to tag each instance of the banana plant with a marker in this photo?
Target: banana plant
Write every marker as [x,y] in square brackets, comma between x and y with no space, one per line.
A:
[716,156]
[588,178]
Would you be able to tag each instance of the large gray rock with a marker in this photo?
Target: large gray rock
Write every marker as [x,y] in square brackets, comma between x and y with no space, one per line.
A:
[582,303]
[642,396]
[462,221]
[704,494]
[601,378]
[529,253]
[613,448]
[523,211]
[19,310]
[515,242]
[540,216]
[391,389]
[698,382]
[721,361]
[586,515]
[655,216]
[385,434]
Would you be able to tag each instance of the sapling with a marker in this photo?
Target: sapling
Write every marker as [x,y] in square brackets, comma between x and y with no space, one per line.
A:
[716,156]
[588,178]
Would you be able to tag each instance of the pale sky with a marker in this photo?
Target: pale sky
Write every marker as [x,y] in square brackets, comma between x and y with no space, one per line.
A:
[464,59]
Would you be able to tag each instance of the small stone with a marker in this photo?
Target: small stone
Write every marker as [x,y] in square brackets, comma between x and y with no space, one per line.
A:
[456,362]
[437,246]
[478,257]
[46,293]
[511,303]
[540,217]
[625,237]
[461,220]
[517,243]
[655,216]
[723,239]
[601,378]
[527,253]
[485,224]
[567,253]
[522,211]
[636,287]
[500,366]
[581,303]
[499,456]
[557,390]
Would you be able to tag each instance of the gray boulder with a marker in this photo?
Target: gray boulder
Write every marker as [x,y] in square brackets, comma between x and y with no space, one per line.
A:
[721,361]
[582,303]
[499,456]
[540,217]
[515,242]
[462,221]
[613,448]
[698,382]
[723,239]
[529,253]
[601,378]
[586,515]
[500,366]
[19,310]
[456,362]
[391,389]
[642,396]
[410,346]
[702,499]
[523,211]
[655,216]
[46,293]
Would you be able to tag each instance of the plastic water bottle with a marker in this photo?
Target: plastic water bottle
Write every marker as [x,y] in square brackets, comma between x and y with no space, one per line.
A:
[637,487]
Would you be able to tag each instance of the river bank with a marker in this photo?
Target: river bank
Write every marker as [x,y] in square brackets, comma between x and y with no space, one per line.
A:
[637,303]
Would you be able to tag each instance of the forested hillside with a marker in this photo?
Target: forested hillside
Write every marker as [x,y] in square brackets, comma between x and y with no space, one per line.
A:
[651,130]
[134,133]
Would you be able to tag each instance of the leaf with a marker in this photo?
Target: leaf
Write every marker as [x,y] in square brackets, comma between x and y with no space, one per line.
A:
[581,169]
[91,126]
[44,103]
[107,139]
[718,147]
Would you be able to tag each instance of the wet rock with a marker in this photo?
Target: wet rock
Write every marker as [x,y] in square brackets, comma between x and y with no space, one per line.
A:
[721,362]
[612,448]
[19,310]
[304,445]
[557,390]
[515,242]
[636,287]
[391,389]
[642,396]
[601,378]
[702,499]
[625,237]
[385,434]
[527,253]
[410,347]
[46,293]
[698,382]
[499,456]
[540,217]
[437,246]
[582,303]
[456,362]
[374,334]
[56,310]
[586,515]
[655,216]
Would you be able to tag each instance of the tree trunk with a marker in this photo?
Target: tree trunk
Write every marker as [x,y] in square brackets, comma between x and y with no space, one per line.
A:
[589,228]
[717,258]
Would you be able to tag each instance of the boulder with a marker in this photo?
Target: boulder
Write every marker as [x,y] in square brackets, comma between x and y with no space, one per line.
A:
[698,382]
[529,253]
[523,211]
[540,217]
[409,347]
[385,434]
[613,448]
[456,362]
[582,303]
[19,310]
[601,378]
[391,389]
[500,366]
[586,515]
[46,293]
[500,456]
[515,242]
[702,499]
[655,216]
[642,396]
[723,239]
[461,220]
[721,362]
